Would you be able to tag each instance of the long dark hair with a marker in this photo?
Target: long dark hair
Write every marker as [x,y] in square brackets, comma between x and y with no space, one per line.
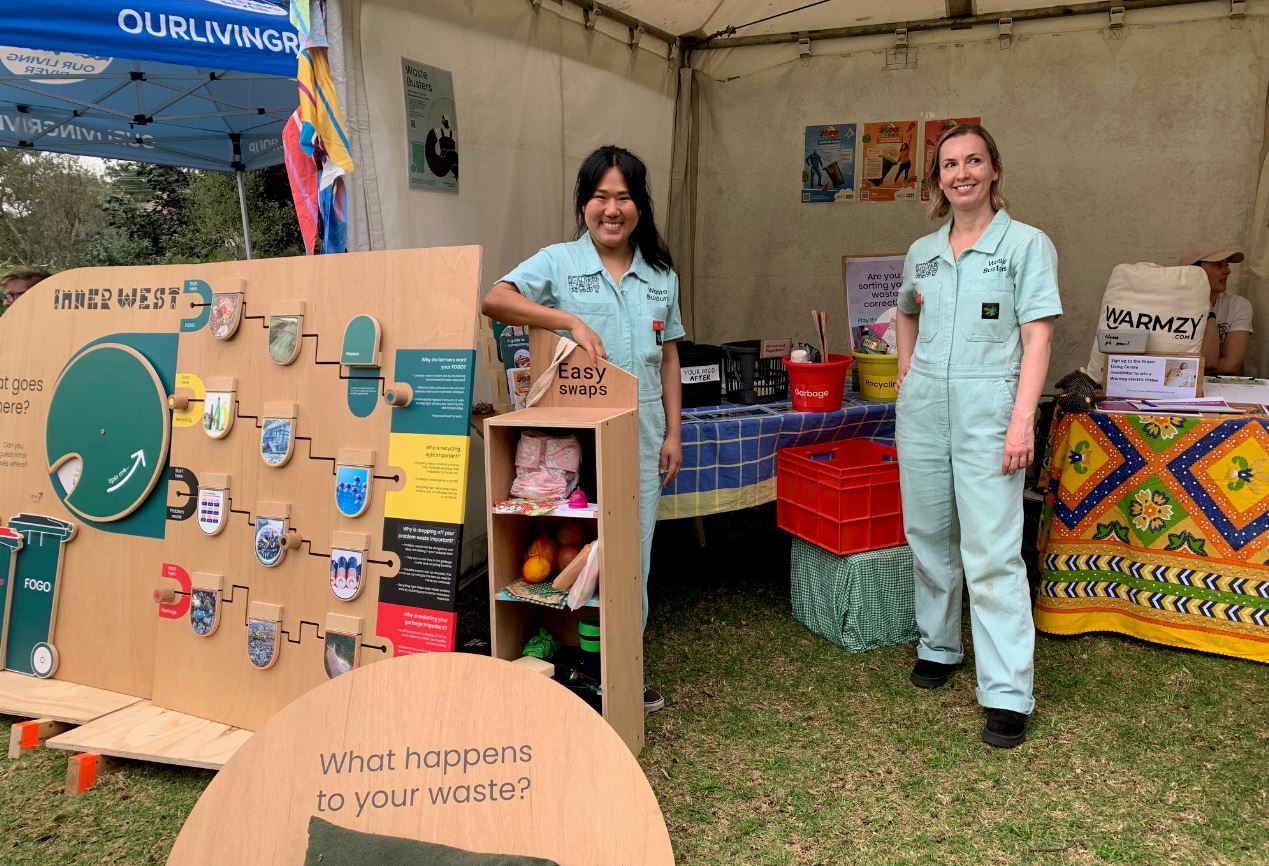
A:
[645,237]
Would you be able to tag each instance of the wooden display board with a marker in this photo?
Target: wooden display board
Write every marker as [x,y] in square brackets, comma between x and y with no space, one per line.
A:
[147,417]
[448,748]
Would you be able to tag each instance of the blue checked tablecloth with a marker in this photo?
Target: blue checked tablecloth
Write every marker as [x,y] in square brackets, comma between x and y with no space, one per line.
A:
[729,460]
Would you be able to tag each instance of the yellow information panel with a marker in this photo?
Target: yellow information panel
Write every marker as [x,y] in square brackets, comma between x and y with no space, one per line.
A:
[436,477]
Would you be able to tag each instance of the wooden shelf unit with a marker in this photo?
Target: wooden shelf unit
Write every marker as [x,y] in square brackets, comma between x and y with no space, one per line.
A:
[610,445]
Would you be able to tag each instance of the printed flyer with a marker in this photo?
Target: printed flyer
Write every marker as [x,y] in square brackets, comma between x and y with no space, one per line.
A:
[828,164]
[431,127]
[934,130]
[887,173]
[872,291]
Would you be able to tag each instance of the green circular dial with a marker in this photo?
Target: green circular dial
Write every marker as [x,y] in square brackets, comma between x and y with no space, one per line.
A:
[107,433]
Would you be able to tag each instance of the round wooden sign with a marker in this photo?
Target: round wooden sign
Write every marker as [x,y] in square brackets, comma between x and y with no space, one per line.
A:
[433,749]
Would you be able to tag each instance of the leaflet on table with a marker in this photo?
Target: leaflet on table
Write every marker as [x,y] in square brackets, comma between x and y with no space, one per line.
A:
[1237,389]
[729,414]
[1131,407]
[1214,404]
[1194,407]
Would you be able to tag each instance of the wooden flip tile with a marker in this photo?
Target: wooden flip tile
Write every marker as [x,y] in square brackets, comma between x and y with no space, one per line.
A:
[145,732]
[31,697]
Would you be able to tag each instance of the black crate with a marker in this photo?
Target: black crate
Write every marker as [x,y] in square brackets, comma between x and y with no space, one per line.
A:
[751,379]
[702,377]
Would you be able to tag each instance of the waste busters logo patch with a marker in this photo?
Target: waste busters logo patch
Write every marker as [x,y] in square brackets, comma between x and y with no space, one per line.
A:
[991,311]
[586,284]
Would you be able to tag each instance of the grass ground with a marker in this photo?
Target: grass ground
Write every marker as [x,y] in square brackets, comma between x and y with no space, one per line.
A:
[776,747]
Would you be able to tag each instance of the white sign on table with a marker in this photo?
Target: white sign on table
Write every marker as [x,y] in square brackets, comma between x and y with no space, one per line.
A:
[1162,376]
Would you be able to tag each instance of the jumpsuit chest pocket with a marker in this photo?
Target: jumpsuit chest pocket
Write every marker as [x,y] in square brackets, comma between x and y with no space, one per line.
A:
[931,296]
[986,310]
[647,343]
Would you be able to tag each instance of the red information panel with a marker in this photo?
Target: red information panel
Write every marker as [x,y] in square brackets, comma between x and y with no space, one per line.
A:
[417,630]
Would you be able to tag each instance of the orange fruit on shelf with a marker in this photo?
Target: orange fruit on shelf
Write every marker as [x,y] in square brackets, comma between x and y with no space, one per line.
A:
[543,545]
[572,533]
[536,569]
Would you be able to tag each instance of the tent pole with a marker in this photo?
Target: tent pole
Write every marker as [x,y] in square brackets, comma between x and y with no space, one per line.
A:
[242,206]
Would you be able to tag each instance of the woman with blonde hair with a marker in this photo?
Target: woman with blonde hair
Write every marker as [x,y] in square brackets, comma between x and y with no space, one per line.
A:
[975,319]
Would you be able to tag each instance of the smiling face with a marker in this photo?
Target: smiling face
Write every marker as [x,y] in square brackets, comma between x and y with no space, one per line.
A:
[966,173]
[1217,275]
[610,213]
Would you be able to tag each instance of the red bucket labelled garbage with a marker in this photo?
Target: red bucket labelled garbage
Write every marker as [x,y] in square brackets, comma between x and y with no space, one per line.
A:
[818,387]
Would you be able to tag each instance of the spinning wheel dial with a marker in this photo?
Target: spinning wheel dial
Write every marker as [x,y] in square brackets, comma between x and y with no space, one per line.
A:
[108,432]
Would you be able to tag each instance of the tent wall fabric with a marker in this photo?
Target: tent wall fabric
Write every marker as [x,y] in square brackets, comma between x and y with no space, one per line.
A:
[1123,145]
[534,93]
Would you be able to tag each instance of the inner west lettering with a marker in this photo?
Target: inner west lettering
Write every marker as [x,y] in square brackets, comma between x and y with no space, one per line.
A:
[106,298]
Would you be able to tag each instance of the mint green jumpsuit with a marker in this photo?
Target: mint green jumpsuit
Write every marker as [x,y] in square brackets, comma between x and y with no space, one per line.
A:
[571,277]
[962,515]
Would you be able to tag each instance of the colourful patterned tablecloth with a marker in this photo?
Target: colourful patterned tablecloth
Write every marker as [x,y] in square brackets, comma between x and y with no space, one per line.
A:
[729,462]
[1157,527]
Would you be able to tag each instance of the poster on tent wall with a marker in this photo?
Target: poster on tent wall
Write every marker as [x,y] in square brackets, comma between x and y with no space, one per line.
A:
[934,130]
[431,127]
[887,172]
[828,163]
[872,292]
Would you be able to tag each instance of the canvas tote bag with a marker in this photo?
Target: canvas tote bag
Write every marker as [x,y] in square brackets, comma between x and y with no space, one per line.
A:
[1169,304]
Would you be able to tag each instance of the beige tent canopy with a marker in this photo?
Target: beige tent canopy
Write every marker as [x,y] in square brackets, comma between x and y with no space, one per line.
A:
[1129,130]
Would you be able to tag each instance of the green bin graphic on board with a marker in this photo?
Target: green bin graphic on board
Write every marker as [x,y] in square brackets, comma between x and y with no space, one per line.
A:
[31,613]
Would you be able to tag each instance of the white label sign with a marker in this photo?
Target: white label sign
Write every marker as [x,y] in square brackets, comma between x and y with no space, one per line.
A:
[696,375]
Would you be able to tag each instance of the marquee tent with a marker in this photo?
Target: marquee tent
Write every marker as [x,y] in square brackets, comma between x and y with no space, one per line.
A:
[203,84]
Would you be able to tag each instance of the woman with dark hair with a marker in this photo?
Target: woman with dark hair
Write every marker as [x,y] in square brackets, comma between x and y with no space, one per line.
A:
[612,289]
[974,321]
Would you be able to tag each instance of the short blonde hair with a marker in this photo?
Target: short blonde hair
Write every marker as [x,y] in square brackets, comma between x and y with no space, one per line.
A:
[939,205]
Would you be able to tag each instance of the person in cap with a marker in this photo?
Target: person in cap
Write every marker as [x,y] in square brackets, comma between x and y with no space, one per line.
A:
[1229,320]
[16,283]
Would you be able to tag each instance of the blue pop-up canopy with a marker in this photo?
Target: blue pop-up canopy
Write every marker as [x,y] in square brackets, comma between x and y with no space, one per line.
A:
[196,83]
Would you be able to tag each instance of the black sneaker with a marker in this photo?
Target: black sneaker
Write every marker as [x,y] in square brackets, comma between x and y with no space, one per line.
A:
[1005,728]
[930,675]
[652,700]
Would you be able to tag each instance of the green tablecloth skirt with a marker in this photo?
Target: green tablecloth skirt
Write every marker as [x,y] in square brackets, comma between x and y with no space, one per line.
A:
[860,602]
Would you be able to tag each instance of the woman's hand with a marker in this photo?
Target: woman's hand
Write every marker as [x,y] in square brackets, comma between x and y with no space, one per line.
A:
[671,458]
[588,340]
[1019,446]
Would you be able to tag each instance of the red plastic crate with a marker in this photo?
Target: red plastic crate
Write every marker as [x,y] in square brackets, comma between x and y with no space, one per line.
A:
[843,496]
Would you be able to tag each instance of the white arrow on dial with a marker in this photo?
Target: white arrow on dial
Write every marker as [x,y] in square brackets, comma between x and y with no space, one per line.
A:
[138,460]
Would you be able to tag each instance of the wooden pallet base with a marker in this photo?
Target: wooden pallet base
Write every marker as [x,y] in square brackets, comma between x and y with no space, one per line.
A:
[144,732]
[60,701]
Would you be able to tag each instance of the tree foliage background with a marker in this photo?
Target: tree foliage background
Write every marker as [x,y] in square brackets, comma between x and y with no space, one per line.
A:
[57,213]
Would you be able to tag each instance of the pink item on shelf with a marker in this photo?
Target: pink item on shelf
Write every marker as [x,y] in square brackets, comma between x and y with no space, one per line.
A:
[546,466]
[563,452]
[578,499]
